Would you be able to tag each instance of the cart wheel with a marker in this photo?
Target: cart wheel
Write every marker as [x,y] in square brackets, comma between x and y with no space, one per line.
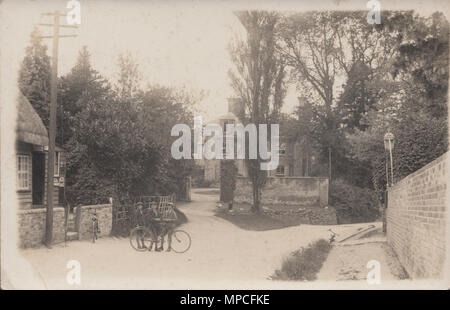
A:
[141,239]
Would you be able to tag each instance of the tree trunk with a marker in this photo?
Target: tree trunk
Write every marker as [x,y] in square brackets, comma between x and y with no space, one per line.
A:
[256,207]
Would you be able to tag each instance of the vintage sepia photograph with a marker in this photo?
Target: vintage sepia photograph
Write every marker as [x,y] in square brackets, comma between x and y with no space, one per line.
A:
[217,145]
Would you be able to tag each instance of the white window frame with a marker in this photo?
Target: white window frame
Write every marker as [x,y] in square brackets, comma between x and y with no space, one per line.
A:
[23,172]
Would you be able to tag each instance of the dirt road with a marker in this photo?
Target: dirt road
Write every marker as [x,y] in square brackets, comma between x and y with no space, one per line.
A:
[221,256]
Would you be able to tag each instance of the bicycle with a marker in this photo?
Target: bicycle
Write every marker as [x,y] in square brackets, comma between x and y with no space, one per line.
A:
[142,239]
[95,227]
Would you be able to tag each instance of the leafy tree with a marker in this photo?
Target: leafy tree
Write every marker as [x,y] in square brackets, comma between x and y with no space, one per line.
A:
[356,99]
[84,182]
[129,75]
[413,109]
[80,79]
[310,46]
[160,108]
[34,76]
[258,80]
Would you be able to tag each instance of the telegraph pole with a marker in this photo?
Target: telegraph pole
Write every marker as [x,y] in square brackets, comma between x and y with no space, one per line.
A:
[52,126]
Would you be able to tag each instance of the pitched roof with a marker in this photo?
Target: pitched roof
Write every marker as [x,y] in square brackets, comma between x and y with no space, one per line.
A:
[228,116]
[30,127]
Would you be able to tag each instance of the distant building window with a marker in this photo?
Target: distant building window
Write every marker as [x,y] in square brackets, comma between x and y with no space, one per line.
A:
[226,122]
[282,149]
[23,172]
[280,170]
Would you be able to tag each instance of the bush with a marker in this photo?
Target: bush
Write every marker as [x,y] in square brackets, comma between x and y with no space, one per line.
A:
[204,183]
[305,263]
[353,204]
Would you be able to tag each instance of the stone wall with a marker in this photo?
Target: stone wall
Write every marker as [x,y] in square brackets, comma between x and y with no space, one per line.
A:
[313,215]
[305,198]
[31,226]
[294,191]
[83,220]
[417,219]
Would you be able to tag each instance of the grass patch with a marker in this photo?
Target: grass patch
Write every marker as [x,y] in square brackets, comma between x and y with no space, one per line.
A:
[304,264]
[208,192]
[258,222]
[243,218]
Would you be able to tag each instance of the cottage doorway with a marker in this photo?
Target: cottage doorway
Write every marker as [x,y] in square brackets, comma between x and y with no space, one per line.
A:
[38,179]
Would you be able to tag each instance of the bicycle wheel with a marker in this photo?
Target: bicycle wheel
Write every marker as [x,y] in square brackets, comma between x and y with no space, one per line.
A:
[141,238]
[181,241]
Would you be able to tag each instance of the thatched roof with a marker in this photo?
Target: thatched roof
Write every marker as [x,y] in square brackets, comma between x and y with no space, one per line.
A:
[30,127]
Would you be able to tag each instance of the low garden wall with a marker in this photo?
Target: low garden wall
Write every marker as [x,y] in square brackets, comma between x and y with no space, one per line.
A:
[417,220]
[293,191]
[314,215]
[31,226]
[83,220]
[305,198]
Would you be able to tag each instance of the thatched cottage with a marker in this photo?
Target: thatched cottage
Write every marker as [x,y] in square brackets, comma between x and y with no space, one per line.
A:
[31,160]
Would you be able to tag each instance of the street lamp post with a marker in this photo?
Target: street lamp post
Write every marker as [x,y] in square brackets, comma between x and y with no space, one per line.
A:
[389,145]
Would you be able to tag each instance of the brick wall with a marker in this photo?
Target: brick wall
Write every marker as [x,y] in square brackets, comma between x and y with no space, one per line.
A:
[416,220]
[297,191]
[83,221]
[31,226]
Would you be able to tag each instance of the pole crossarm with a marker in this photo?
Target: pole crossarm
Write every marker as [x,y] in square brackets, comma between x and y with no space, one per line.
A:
[62,26]
[54,13]
[60,36]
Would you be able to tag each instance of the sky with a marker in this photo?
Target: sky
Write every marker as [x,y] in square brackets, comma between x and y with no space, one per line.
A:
[176,43]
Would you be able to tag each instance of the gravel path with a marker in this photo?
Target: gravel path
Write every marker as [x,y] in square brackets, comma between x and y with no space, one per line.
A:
[221,256]
[348,260]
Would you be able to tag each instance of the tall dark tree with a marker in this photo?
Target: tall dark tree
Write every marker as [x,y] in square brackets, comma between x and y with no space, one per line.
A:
[34,76]
[81,85]
[357,98]
[258,80]
[81,78]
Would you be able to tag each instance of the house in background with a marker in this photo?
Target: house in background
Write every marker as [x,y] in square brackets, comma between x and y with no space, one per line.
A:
[31,160]
[295,158]
[211,167]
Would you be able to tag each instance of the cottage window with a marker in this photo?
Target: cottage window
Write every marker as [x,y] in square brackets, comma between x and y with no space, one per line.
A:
[23,172]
